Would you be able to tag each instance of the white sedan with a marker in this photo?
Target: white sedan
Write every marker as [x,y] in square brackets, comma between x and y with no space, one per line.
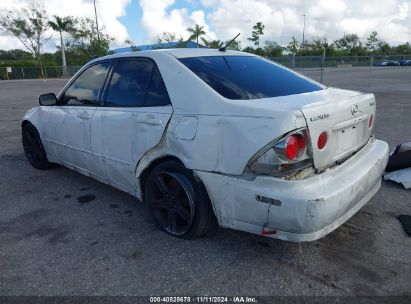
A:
[207,137]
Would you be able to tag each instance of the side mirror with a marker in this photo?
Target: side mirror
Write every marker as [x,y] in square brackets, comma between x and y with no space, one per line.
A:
[48,99]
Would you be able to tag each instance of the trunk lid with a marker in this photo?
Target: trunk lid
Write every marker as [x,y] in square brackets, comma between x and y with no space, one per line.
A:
[344,116]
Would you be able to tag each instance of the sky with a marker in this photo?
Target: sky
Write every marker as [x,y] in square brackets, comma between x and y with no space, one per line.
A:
[143,20]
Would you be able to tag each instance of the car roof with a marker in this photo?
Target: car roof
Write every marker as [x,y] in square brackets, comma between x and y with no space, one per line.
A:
[199,52]
[178,53]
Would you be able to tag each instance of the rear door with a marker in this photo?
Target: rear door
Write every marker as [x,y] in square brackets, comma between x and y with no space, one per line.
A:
[68,123]
[132,120]
[347,120]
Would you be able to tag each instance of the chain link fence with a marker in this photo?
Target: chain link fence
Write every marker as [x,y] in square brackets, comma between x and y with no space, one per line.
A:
[36,72]
[300,62]
[316,67]
[323,69]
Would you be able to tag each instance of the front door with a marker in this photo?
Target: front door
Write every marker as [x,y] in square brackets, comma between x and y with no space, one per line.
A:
[68,123]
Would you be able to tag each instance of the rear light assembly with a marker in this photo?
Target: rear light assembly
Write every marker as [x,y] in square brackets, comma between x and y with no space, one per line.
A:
[292,146]
[292,152]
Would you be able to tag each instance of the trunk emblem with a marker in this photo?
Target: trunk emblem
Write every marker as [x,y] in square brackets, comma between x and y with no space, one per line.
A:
[321,116]
[355,110]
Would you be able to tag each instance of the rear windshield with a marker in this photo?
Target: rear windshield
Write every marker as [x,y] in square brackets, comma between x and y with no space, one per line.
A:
[248,77]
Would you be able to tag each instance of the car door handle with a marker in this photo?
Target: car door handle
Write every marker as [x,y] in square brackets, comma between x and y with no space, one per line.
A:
[150,121]
[84,115]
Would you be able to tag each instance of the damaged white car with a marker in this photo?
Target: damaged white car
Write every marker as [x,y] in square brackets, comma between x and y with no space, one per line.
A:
[208,137]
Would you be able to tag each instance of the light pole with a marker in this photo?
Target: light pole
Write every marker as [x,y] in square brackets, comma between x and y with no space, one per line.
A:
[303,28]
[95,13]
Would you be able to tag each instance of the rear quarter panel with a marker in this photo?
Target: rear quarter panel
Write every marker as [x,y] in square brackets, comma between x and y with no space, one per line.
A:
[223,144]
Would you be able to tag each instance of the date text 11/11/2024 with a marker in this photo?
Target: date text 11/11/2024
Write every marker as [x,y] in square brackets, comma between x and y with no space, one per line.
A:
[203,299]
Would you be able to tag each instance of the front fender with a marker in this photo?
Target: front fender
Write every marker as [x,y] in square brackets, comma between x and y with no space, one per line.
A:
[33,116]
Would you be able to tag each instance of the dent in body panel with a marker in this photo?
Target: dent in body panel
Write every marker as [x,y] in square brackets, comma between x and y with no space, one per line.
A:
[223,144]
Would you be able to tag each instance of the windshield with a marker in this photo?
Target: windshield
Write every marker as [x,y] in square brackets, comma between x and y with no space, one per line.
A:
[248,77]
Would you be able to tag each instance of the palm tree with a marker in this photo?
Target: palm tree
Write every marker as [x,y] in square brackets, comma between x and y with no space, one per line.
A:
[196,32]
[61,25]
[293,46]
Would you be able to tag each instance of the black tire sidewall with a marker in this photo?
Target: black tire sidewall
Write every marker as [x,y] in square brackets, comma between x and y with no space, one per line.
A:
[43,163]
[202,207]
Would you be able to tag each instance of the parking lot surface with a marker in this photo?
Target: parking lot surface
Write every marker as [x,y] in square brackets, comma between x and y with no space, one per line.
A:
[52,242]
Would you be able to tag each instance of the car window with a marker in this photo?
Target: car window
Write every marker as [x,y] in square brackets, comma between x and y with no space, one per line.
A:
[129,83]
[248,77]
[86,88]
[156,92]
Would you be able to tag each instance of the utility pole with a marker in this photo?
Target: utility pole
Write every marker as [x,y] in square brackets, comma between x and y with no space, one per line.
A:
[303,29]
[95,13]
[323,66]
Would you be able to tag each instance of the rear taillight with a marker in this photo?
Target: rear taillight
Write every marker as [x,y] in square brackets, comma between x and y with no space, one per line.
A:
[288,154]
[322,140]
[370,121]
[295,146]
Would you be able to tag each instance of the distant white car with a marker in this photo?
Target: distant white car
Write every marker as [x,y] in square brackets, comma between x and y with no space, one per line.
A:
[205,136]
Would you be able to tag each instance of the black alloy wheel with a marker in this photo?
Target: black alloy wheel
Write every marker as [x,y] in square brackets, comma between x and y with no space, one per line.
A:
[33,148]
[171,203]
[178,202]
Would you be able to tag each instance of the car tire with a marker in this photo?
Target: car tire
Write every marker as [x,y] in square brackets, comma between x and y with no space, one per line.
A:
[33,147]
[178,202]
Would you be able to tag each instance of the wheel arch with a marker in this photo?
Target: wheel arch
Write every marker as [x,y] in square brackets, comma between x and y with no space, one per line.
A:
[33,117]
[151,165]
[26,122]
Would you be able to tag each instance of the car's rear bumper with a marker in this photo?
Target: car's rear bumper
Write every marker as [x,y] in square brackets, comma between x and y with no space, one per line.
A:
[298,210]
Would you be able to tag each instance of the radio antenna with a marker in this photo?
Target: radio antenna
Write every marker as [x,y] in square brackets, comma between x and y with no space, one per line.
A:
[224,48]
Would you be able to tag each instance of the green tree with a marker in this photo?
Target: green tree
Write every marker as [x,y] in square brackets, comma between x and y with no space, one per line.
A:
[15,54]
[272,49]
[196,32]
[29,26]
[166,37]
[372,41]
[212,44]
[403,49]
[316,48]
[350,44]
[249,49]
[292,47]
[258,30]
[85,43]
[234,45]
[384,48]
[62,24]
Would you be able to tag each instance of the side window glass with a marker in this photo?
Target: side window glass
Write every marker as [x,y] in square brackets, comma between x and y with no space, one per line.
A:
[87,87]
[156,93]
[129,83]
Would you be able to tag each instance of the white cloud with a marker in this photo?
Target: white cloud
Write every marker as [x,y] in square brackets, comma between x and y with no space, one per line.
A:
[157,19]
[331,18]
[223,19]
[108,11]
